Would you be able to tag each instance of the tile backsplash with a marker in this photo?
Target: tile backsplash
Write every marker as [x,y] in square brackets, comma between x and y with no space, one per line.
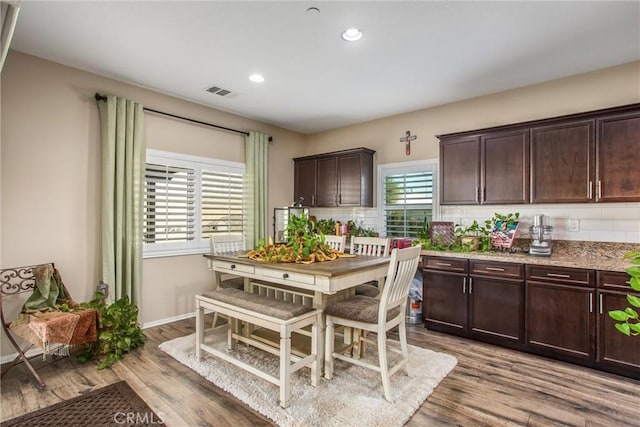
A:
[611,222]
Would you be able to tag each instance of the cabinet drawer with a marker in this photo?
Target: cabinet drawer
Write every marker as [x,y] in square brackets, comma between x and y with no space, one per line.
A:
[308,279]
[614,280]
[447,264]
[570,276]
[232,267]
[497,269]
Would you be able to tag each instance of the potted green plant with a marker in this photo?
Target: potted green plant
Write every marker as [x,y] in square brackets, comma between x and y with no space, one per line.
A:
[629,322]
[475,236]
[118,331]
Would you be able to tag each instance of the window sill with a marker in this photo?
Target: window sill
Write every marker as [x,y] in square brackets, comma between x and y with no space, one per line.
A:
[174,252]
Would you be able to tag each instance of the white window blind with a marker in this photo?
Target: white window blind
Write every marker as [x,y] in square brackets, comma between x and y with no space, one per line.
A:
[407,193]
[222,204]
[169,208]
[188,198]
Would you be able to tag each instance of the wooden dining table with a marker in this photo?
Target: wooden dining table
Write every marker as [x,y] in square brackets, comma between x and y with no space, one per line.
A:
[324,282]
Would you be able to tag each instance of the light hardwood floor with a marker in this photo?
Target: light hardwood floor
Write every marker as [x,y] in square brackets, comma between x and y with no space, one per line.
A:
[490,386]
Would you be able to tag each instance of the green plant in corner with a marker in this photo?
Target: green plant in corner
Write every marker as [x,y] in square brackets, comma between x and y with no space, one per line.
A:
[628,318]
[118,331]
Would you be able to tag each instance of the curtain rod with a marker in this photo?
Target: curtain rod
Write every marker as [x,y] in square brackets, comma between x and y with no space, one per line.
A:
[104,98]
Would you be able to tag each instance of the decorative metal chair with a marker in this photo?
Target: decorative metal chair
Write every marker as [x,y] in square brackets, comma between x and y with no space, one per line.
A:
[377,315]
[36,326]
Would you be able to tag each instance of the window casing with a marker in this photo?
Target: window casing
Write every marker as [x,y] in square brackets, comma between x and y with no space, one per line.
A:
[407,196]
[188,198]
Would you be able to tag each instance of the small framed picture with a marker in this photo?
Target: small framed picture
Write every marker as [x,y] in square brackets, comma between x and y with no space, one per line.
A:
[442,231]
[504,234]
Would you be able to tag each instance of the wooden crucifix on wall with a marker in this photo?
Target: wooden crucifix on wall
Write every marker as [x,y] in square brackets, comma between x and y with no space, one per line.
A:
[407,140]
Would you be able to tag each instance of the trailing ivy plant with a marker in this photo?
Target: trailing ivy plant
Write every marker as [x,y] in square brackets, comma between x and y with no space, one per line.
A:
[118,331]
[629,322]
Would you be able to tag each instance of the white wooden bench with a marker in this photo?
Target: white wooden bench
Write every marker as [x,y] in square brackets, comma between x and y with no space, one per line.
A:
[283,317]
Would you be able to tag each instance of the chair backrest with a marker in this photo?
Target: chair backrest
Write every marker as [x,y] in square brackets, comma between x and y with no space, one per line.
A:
[372,246]
[224,243]
[15,282]
[402,269]
[336,242]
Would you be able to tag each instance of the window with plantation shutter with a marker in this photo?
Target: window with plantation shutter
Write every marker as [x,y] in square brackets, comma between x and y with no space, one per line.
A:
[407,197]
[169,208]
[222,204]
[188,198]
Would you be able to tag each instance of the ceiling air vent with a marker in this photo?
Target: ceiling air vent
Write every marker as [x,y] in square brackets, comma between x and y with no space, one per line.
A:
[219,91]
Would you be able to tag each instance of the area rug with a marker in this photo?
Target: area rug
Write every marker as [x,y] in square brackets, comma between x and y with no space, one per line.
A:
[113,405]
[353,398]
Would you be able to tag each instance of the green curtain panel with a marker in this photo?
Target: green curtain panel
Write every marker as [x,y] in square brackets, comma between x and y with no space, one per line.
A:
[257,156]
[123,157]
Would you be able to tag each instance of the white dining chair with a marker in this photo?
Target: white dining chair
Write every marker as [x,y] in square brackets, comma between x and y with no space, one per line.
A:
[371,246]
[226,243]
[377,315]
[336,242]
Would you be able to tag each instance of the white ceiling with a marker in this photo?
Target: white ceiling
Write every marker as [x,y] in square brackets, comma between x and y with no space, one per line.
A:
[413,54]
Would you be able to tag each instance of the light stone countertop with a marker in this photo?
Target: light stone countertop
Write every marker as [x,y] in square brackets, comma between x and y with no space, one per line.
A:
[590,255]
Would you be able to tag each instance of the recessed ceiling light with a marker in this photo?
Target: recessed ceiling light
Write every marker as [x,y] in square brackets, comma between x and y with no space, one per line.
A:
[257,78]
[352,35]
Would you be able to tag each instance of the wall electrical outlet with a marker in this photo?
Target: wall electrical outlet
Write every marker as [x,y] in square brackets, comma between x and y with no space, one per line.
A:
[573,225]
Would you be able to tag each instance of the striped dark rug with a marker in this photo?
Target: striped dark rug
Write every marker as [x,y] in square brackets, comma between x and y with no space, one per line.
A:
[113,405]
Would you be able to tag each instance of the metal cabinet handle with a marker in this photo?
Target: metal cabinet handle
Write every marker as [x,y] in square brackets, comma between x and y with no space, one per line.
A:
[590,302]
[600,304]
[599,191]
[464,285]
[590,191]
[470,285]
[628,282]
[445,264]
[562,276]
[495,268]
[285,275]
[313,200]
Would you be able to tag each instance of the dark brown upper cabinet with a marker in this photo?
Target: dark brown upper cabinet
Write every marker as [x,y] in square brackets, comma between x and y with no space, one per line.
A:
[579,158]
[563,162]
[305,181]
[618,155]
[341,178]
[460,170]
[490,168]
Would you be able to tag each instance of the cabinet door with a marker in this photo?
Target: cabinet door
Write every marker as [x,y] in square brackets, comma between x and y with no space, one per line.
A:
[305,181]
[445,301]
[505,167]
[460,171]
[560,319]
[562,162]
[349,180]
[496,309]
[618,148]
[615,348]
[327,182]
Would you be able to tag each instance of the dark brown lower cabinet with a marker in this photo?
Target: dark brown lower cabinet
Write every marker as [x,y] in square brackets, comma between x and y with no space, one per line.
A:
[615,351]
[444,304]
[495,309]
[560,319]
[556,312]
[486,304]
